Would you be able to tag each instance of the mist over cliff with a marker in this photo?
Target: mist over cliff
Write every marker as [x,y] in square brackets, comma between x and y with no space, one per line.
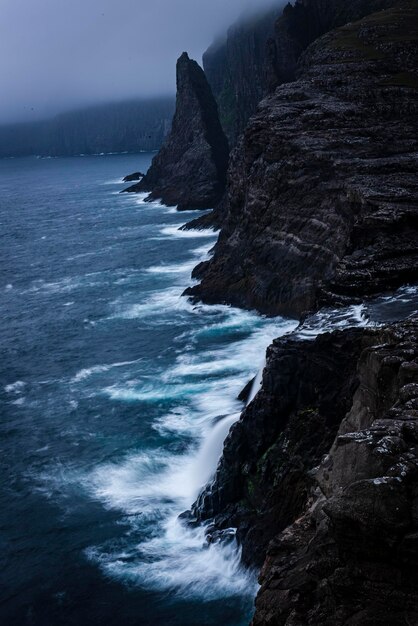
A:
[120,127]
[58,56]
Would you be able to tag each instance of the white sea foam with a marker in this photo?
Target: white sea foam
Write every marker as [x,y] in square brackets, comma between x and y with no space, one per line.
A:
[140,198]
[196,571]
[257,383]
[168,299]
[15,387]
[19,402]
[82,255]
[327,320]
[142,392]
[175,231]
[97,369]
[157,485]
[114,181]
[181,268]
[64,285]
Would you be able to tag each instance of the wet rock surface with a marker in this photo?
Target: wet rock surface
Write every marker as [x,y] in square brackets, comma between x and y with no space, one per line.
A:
[190,169]
[321,203]
[263,479]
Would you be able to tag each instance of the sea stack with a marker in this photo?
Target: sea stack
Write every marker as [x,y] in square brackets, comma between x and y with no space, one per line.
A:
[190,169]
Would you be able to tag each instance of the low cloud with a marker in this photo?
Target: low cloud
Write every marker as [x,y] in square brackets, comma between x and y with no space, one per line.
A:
[59,54]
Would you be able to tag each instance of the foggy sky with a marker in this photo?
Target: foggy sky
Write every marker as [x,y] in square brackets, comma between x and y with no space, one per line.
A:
[59,54]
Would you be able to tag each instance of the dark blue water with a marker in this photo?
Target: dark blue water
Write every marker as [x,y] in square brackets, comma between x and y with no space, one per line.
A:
[112,386]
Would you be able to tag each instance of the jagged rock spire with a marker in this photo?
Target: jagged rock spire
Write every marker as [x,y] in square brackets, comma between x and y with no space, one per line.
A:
[190,169]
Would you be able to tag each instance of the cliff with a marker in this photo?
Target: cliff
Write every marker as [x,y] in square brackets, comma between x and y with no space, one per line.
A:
[351,556]
[120,127]
[319,476]
[236,67]
[321,204]
[260,53]
[321,473]
[190,169]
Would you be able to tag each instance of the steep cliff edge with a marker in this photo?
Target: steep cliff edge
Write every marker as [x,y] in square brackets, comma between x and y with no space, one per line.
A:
[190,169]
[236,67]
[352,556]
[321,472]
[322,187]
[262,481]
[259,53]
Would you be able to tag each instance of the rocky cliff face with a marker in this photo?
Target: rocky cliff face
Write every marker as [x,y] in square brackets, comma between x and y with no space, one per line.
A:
[351,556]
[121,127]
[236,68]
[190,169]
[321,472]
[322,190]
[261,53]
[262,482]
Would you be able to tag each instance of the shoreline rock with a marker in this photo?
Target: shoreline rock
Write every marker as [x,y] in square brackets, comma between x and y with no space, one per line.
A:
[190,169]
[131,177]
[351,557]
[322,191]
[320,477]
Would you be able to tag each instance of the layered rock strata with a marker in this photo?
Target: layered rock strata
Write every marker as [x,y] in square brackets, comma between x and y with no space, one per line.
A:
[190,169]
[322,194]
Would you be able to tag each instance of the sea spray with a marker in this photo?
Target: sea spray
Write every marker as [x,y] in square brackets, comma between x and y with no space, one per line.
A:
[203,469]
[255,388]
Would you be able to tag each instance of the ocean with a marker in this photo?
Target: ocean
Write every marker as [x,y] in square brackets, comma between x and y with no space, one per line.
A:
[116,395]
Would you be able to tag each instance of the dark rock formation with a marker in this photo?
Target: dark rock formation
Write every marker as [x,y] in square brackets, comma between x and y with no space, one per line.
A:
[262,482]
[322,195]
[323,464]
[131,177]
[235,67]
[260,53]
[190,169]
[352,556]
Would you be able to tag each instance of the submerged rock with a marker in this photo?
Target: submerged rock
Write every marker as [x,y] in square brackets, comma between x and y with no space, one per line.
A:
[190,169]
[322,193]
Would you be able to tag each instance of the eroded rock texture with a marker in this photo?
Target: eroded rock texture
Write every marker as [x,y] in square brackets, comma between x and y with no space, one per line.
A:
[259,53]
[352,557]
[322,195]
[321,472]
[190,169]
[262,481]
[237,68]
